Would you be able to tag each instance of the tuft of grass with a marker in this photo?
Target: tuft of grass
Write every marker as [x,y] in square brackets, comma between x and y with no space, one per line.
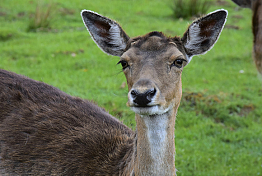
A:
[6,34]
[42,18]
[190,8]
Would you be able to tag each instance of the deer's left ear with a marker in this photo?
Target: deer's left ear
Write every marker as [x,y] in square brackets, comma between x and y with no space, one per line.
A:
[107,34]
[203,33]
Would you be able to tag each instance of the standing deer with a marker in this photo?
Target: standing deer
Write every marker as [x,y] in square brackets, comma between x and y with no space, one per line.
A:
[256,7]
[44,131]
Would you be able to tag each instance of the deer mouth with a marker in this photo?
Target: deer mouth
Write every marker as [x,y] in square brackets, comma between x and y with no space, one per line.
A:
[149,110]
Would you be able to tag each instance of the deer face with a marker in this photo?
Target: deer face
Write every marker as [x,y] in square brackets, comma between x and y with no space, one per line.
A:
[153,66]
[153,63]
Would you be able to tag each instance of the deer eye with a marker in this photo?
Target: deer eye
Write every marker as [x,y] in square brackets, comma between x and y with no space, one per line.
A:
[124,64]
[178,63]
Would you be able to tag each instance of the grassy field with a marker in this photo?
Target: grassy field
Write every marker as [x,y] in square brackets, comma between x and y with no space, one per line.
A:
[219,123]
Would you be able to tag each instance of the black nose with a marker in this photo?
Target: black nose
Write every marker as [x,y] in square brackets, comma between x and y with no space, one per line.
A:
[143,99]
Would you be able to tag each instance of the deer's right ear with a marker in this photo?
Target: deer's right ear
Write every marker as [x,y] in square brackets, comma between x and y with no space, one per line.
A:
[106,33]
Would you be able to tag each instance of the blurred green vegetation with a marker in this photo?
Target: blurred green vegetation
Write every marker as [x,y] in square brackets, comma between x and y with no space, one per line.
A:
[190,8]
[218,127]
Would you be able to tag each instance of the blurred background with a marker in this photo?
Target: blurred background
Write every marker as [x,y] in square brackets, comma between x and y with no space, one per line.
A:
[218,127]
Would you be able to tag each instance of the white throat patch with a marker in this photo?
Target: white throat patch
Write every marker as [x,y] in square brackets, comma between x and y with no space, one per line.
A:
[157,137]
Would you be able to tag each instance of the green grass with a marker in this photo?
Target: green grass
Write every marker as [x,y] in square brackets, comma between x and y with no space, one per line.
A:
[219,125]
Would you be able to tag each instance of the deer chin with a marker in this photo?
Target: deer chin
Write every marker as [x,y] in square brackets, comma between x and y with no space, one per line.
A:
[150,110]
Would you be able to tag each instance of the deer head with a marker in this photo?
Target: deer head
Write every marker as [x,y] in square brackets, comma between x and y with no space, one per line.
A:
[153,63]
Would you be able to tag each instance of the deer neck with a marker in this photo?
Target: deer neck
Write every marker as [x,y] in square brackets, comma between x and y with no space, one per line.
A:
[155,144]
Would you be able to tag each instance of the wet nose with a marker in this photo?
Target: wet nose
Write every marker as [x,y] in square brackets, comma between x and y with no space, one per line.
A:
[142,99]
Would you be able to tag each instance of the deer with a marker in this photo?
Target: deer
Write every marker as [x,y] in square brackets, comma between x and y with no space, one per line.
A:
[45,131]
[256,7]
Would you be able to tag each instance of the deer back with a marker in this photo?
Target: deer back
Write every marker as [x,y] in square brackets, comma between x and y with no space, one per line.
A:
[41,125]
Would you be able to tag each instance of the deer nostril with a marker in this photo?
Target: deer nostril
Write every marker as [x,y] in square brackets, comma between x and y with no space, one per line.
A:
[151,94]
[134,93]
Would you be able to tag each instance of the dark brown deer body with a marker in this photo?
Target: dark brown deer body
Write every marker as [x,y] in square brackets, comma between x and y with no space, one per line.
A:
[256,7]
[47,132]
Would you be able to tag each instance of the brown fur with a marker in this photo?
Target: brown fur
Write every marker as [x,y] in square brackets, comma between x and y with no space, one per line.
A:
[47,132]
[257,33]
[152,46]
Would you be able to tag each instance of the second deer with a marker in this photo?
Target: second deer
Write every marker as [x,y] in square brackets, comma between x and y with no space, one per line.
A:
[256,7]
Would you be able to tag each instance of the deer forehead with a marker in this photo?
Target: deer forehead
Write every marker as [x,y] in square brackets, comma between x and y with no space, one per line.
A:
[153,43]
[151,51]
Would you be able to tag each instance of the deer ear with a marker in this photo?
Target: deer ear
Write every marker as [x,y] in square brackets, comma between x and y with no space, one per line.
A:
[107,34]
[203,33]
